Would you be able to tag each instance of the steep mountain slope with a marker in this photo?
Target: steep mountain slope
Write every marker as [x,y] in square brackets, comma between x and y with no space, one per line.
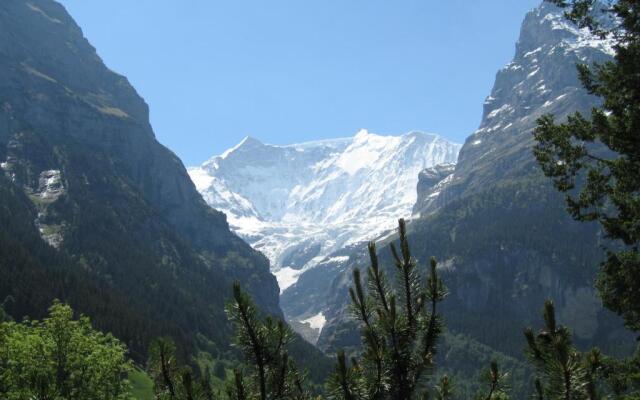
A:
[94,210]
[541,79]
[298,204]
[496,224]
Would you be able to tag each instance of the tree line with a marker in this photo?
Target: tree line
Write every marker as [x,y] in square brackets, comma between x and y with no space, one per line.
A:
[594,160]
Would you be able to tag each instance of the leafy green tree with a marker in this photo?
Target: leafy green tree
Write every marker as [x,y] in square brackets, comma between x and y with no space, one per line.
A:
[272,374]
[61,358]
[596,160]
[400,329]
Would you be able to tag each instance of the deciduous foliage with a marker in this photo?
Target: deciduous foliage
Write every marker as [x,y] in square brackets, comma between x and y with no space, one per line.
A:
[596,160]
[61,358]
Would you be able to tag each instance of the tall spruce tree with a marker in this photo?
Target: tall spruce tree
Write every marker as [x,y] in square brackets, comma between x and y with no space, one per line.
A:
[268,373]
[163,368]
[595,160]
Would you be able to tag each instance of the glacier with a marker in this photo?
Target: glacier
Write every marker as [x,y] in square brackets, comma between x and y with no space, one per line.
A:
[300,203]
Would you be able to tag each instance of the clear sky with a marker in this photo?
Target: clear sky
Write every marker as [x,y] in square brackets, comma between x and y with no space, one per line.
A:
[287,71]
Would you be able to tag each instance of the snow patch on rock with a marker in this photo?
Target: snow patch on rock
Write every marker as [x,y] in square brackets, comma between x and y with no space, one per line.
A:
[316,322]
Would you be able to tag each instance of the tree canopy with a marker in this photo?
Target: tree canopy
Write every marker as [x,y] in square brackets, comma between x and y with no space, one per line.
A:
[61,358]
[595,159]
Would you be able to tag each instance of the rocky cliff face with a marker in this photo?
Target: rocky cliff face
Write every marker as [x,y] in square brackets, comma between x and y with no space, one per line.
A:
[76,145]
[496,224]
[541,79]
[431,182]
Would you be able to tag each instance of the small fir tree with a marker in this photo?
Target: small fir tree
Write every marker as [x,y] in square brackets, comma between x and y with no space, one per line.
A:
[173,381]
[272,375]
[563,372]
[400,328]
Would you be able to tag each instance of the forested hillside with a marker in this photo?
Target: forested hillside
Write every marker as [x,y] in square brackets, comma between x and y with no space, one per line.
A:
[95,211]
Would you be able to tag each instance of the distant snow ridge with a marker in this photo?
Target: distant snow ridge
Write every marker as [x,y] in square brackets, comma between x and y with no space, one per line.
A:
[300,203]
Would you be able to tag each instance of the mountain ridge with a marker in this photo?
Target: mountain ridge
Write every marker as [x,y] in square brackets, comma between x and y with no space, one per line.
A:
[95,211]
[315,192]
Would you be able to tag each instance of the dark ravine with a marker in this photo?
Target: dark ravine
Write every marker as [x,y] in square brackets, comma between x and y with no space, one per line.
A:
[94,210]
[496,224]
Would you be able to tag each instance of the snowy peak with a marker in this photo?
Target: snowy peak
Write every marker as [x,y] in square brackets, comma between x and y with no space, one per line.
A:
[301,202]
[543,68]
[547,26]
[247,144]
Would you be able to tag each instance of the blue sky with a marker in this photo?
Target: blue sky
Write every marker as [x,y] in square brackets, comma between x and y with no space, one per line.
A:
[287,71]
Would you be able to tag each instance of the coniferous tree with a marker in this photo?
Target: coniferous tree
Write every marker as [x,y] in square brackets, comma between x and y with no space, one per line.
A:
[272,375]
[173,381]
[346,382]
[596,160]
[400,328]
[563,372]
[4,316]
[497,389]
[163,368]
[444,390]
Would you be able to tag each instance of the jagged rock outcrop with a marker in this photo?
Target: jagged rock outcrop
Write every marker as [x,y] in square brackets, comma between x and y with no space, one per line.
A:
[431,181]
[541,79]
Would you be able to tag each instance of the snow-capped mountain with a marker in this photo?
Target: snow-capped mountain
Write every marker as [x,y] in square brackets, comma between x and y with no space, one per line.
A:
[300,203]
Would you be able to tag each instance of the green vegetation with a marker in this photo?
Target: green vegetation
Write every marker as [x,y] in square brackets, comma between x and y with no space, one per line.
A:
[400,329]
[141,384]
[565,373]
[268,373]
[123,245]
[171,381]
[61,358]
[596,160]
